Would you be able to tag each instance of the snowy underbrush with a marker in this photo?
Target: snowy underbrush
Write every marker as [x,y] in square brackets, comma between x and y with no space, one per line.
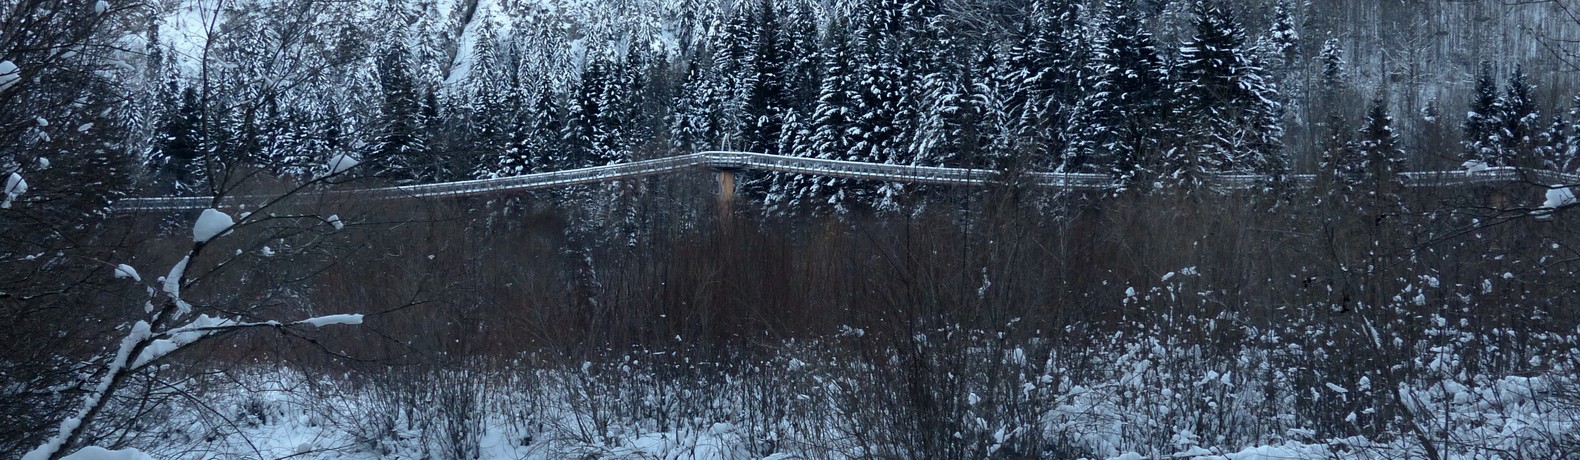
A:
[1215,391]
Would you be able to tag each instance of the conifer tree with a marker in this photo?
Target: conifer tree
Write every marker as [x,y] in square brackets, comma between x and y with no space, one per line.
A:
[1124,118]
[592,129]
[402,132]
[1226,105]
[1046,67]
[181,145]
[1381,157]
[1521,123]
[698,120]
[832,121]
[1482,124]
[1554,145]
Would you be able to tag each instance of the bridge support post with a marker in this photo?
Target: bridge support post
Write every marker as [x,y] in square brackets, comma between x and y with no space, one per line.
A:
[726,195]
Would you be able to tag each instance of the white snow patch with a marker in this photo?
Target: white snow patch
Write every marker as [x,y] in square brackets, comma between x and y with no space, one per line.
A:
[126,271]
[101,6]
[100,453]
[331,320]
[9,74]
[334,219]
[341,162]
[211,224]
[15,186]
[1475,166]
[1557,197]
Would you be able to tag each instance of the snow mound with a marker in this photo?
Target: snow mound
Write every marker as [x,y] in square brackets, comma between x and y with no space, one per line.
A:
[332,320]
[211,224]
[126,271]
[15,186]
[341,162]
[1557,197]
[100,453]
[9,74]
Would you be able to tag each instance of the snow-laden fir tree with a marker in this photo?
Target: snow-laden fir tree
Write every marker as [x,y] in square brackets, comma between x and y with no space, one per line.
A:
[1227,106]
[534,145]
[733,46]
[1482,123]
[1520,123]
[1046,66]
[884,109]
[593,122]
[833,122]
[1554,145]
[402,137]
[1338,149]
[180,144]
[960,120]
[1284,36]
[698,120]
[1123,121]
[1381,156]
[1569,156]
[488,99]
[766,103]
[802,74]
[765,99]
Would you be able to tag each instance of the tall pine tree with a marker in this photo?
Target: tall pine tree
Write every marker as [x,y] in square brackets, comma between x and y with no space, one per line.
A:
[1227,106]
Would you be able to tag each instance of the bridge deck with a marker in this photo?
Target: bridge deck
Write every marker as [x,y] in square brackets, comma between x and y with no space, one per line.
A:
[747,161]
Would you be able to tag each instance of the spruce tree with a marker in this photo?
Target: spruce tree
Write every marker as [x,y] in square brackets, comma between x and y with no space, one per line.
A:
[1046,67]
[1554,145]
[1482,124]
[1226,105]
[833,121]
[698,120]
[181,145]
[765,100]
[1123,124]
[1521,123]
[402,139]
[1381,156]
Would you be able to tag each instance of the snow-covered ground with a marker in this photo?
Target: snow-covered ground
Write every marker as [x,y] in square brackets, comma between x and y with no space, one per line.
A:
[1134,396]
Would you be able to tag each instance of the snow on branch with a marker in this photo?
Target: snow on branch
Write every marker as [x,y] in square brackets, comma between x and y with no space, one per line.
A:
[1557,198]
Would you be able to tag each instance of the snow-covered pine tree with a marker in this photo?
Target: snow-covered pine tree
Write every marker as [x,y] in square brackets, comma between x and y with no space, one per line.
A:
[832,122]
[1482,123]
[697,122]
[1521,123]
[1046,66]
[1554,145]
[885,106]
[958,125]
[764,111]
[534,139]
[180,143]
[1338,149]
[1569,159]
[765,99]
[802,75]
[1284,35]
[1227,107]
[592,127]
[1381,157]
[732,65]
[402,139]
[487,104]
[1123,119]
